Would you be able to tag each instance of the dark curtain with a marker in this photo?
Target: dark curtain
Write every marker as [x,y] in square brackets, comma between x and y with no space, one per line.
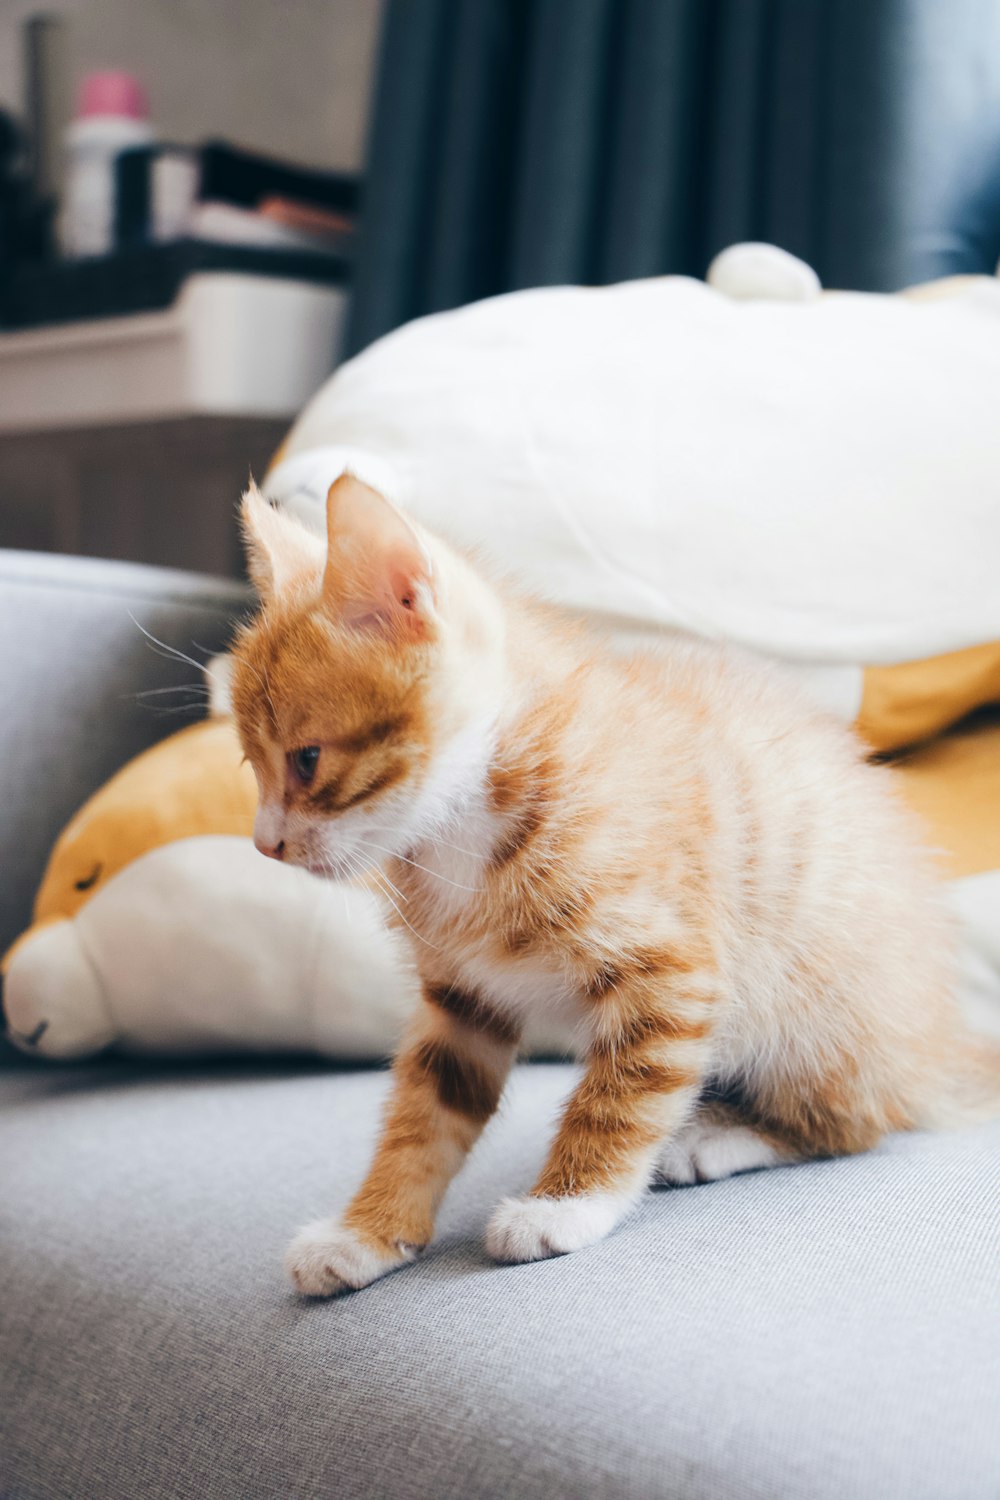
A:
[521,143]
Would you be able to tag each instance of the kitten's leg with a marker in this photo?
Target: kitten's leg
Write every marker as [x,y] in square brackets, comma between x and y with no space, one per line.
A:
[648,1063]
[718,1142]
[447,1081]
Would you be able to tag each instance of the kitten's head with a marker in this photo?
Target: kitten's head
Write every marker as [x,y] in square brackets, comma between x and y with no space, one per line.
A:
[364,689]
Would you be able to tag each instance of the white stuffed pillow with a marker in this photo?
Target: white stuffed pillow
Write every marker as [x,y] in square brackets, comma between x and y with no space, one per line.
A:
[816,478]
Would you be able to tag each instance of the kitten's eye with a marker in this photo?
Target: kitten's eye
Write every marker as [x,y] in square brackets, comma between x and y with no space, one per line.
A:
[304,762]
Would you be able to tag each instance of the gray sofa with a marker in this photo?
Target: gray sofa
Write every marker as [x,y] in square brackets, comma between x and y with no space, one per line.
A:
[820,1331]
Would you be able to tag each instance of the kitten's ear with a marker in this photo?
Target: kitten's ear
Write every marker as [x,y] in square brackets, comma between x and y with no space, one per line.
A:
[279,549]
[378,573]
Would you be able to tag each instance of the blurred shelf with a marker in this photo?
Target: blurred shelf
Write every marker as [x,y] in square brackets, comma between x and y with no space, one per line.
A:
[230,345]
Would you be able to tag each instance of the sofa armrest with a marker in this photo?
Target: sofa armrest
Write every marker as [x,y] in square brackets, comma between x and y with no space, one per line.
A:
[81,688]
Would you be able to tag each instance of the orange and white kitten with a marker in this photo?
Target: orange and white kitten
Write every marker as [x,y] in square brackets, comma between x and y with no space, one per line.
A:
[676,853]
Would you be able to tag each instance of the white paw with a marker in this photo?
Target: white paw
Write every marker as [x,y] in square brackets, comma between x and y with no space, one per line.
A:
[706,1150]
[534,1228]
[326,1258]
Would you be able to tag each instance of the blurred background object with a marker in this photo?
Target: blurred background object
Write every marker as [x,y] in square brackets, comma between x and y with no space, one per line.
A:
[511,143]
[201,165]
[291,81]
[523,143]
[112,117]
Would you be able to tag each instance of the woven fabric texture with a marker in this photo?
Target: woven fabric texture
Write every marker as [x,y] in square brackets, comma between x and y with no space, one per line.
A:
[810,1333]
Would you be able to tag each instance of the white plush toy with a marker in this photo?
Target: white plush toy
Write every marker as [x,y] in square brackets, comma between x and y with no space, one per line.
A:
[203,946]
[160,928]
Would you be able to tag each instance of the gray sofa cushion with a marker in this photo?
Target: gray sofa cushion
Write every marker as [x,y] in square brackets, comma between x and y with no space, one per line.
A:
[80,685]
[827,1332]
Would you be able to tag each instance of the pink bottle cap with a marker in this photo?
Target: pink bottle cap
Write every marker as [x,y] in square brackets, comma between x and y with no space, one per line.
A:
[112,94]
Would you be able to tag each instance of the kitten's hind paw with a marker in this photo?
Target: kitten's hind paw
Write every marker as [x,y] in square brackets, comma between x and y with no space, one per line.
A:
[708,1149]
[524,1229]
[327,1258]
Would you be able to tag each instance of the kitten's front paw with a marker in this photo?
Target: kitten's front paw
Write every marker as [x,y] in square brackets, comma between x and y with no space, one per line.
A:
[326,1258]
[524,1229]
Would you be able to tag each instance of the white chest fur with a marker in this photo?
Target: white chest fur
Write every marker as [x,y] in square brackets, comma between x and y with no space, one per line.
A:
[451,873]
[525,987]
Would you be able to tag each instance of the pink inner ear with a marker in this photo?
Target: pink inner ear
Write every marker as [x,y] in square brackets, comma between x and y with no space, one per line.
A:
[377,573]
[393,609]
[355,618]
[404,587]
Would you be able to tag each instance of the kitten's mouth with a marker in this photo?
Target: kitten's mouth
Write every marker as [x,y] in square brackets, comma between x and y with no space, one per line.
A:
[331,869]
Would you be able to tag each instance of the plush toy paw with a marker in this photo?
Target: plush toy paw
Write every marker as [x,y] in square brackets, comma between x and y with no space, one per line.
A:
[523,1229]
[327,1258]
[54,1000]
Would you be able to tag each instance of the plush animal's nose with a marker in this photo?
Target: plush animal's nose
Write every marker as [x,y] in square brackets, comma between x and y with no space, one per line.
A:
[273,851]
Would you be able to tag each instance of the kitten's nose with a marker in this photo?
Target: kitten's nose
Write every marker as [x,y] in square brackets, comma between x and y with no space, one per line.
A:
[273,851]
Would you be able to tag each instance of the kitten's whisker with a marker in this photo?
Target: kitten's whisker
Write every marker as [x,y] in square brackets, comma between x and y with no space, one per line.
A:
[170,652]
[197,646]
[163,711]
[388,882]
[475,889]
[433,838]
[377,874]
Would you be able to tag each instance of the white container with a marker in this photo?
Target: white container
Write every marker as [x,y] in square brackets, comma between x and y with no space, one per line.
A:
[112,118]
[231,345]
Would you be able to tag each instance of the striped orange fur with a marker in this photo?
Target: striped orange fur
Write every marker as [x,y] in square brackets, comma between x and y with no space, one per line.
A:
[675,853]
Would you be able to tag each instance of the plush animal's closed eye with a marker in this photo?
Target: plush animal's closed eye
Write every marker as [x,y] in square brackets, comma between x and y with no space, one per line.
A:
[89,880]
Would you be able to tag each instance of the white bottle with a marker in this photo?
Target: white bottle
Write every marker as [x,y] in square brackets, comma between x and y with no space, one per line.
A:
[112,116]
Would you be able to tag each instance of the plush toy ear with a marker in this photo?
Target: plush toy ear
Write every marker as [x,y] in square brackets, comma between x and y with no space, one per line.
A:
[378,572]
[279,549]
